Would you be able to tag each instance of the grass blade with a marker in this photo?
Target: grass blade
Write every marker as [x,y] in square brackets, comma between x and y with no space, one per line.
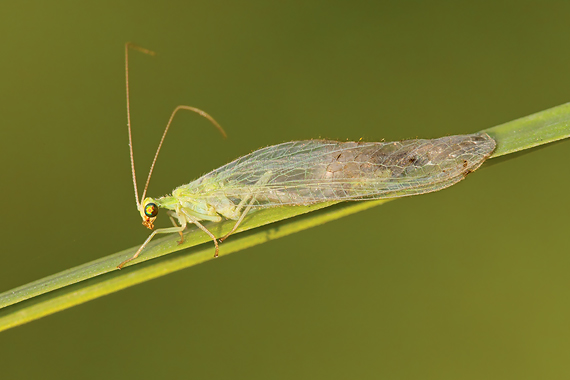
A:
[110,282]
[530,131]
[100,277]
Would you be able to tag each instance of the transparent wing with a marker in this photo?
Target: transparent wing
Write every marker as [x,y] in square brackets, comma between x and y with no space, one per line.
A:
[306,172]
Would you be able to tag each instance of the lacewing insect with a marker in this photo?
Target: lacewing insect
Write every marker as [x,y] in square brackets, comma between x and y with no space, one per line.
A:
[308,172]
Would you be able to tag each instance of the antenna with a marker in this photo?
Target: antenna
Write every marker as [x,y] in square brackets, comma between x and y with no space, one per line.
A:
[128,46]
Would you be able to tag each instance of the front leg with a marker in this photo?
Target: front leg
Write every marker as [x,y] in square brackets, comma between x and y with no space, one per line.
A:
[159,231]
[170,215]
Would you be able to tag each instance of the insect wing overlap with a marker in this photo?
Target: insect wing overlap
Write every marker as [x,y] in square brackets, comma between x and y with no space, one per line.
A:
[313,171]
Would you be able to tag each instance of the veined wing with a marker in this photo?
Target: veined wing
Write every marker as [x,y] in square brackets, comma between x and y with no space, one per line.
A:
[313,171]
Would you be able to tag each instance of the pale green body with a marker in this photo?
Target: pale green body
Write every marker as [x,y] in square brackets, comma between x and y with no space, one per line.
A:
[187,206]
[313,171]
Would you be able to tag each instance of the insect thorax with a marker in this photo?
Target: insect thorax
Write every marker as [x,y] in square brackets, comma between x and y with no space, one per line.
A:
[191,202]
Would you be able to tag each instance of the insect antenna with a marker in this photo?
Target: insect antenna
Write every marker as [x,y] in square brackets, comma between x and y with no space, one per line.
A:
[178,108]
[128,46]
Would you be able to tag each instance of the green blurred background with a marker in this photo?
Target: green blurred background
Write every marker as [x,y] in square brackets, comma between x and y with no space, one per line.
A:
[467,283]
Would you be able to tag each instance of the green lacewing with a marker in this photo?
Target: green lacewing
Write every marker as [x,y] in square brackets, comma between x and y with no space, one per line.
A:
[309,172]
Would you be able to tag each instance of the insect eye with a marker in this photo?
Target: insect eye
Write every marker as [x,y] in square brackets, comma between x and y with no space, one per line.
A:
[151,210]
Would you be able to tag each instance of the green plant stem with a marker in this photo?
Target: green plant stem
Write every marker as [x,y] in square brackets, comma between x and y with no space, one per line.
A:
[78,293]
[100,277]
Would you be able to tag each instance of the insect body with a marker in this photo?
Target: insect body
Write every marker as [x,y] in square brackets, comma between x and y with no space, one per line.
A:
[314,171]
[308,172]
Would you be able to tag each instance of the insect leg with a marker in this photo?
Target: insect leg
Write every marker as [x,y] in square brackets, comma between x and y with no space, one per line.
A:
[200,226]
[170,213]
[241,217]
[159,231]
[262,181]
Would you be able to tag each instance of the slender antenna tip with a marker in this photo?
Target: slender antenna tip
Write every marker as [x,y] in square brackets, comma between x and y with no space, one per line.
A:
[139,48]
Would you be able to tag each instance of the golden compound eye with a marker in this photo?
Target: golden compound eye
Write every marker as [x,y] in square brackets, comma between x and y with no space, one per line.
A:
[151,210]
